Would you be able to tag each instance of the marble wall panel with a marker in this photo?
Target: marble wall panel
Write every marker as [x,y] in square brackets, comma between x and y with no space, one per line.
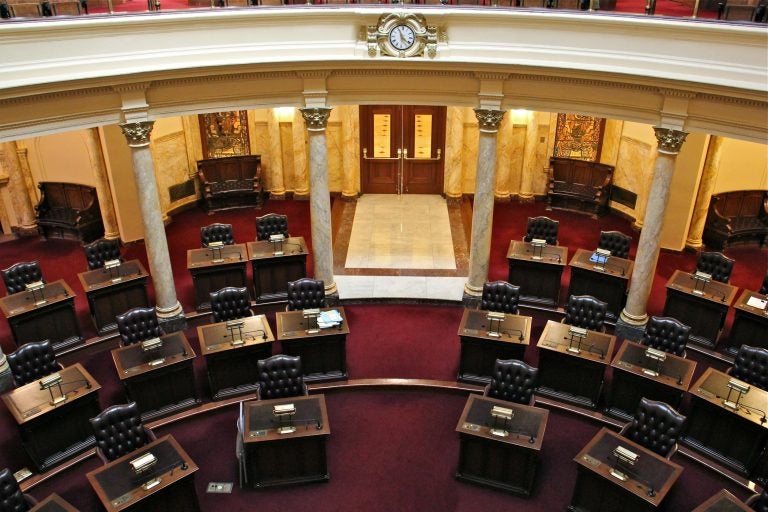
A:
[287,152]
[634,172]
[335,141]
[169,156]
[469,145]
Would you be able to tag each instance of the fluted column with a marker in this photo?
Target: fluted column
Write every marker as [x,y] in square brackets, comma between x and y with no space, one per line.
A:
[454,143]
[634,316]
[169,311]
[320,198]
[482,210]
[26,222]
[301,178]
[704,196]
[103,192]
[276,178]
[504,164]
[350,152]
[529,159]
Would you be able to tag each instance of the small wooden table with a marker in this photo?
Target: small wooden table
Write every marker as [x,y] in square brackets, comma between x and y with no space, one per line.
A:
[323,353]
[271,458]
[119,487]
[490,458]
[53,503]
[537,272]
[214,269]
[703,307]
[636,376]
[723,501]
[597,490]
[52,433]
[750,322]
[161,381]
[112,292]
[606,281]
[272,271]
[231,353]
[31,319]
[484,341]
[569,370]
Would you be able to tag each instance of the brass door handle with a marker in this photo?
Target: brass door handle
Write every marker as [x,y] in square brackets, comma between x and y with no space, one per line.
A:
[378,159]
[435,159]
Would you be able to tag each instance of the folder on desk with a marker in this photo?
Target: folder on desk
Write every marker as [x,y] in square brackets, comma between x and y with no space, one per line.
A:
[330,318]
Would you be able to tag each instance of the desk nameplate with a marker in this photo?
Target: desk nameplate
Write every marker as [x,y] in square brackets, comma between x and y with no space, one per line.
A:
[675,371]
[219,338]
[206,257]
[596,346]
[551,254]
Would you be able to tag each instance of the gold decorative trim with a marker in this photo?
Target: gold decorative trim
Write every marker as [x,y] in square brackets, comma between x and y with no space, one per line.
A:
[417,38]
[489,120]
[670,141]
[316,118]
[137,134]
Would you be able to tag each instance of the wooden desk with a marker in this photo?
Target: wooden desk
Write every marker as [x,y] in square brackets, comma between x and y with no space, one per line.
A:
[597,490]
[54,320]
[271,457]
[507,462]
[271,272]
[750,324]
[734,438]
[633,379]
[480,350]
[723,501]
[113,292]
[323,354]
[53,433]
[571,376]
[53,503]
[119,488]
[704,312]
[231,354]
[537,277]
[607,281]
[213,270]
[161,381]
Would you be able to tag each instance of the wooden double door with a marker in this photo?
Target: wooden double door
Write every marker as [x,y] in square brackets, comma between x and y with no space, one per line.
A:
[402,149]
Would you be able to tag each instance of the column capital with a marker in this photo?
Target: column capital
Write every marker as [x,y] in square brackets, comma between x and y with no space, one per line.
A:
[489,119]
[137,134]
[316,118]
[669,140]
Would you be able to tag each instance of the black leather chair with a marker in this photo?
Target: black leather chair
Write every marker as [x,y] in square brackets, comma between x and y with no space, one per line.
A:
[217,232]
[500,296]
[31,361]
[230,303]
[101,250]
[11,497]
[751,366]
[18,275]
[656,426]
[586,312]
[666,334]
[543,228]
[118,430]
[758,502]
[271,224]
[136,325]
[764,287]
[717,264]
[616,242]
[513,381]
[280,376]
[306,293]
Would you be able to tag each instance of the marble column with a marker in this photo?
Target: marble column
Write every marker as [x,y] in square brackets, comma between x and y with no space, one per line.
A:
[26,222]
[275,169]
[103,191]
[316,120]
[301,178]
[634,316]
[350,154]
[529,159]
[704,195]
[454,143]
[504,154]
[170,314]
[482,214]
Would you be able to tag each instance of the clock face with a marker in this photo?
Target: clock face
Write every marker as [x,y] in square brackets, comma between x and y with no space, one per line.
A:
[402,37]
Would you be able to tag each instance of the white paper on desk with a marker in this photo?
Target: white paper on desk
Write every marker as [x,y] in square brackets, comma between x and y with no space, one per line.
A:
[757,302]
[330,318]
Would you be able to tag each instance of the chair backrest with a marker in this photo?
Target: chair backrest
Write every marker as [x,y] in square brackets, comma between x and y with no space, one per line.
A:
[217,232]
[230,303]
[567,4]
[736,12]
[759,502]
[306,293]
[764,287]
[11,497]
[271,224]
[751,366]
[616,242]
[534,3]
[101,250]
[138,324]
[667,334]
[18,275]
[585,311]
[26,10]
[715,263]
[543,228]
[500,296]
[32,361]
[118,430]
[280,376]
[656,426]
[513,381]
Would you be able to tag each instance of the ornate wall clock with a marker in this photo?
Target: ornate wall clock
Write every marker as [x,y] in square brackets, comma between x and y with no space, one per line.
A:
[402,35]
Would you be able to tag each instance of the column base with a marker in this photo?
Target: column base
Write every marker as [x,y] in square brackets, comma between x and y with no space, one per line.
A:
[526,199]
[630,328]
[275,196]
[332,299]
[454,200]
[694,245]
[470,301]
[349,198]
[300,196]
[171,319]
[22,231]
[502,198]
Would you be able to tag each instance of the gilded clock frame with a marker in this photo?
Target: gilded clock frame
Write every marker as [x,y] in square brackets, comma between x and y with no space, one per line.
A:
[425,37]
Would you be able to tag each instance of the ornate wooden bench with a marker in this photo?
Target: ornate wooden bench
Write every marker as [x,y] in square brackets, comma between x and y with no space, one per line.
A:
[737,217]
[230,182]
[70,211]
[579,185]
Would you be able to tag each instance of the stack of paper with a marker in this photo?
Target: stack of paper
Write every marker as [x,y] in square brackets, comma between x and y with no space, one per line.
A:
[757,302]
[330,318]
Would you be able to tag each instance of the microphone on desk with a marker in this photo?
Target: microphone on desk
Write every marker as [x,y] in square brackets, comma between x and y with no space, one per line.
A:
[519,333]
[679,379]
